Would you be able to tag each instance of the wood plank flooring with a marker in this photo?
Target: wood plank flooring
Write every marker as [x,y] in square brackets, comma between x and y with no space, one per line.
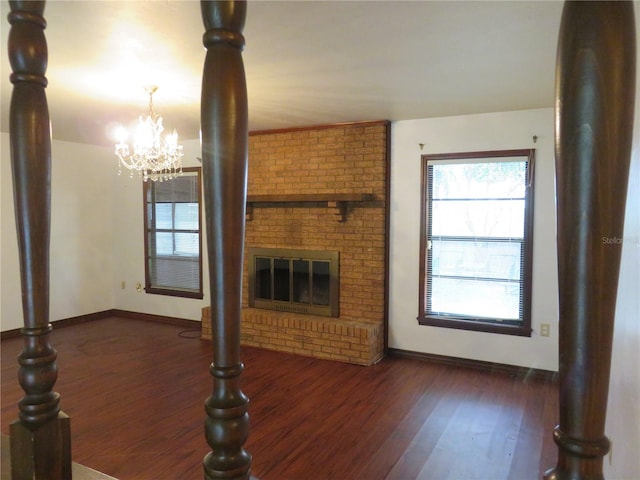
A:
[135,393]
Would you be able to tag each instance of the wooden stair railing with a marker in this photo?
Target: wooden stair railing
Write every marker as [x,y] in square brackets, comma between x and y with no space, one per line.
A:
[225,140]
[40,439]
[595,93]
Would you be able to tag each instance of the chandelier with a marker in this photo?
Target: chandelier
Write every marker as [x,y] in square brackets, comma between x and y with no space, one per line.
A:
[154,157]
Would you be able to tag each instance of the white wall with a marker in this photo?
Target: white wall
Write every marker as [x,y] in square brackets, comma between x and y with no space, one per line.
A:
[623,413]
[10,304]
[496,131]
[96,239]
[81,266]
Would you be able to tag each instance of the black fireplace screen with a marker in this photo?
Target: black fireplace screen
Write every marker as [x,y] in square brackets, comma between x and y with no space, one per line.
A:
[301,281]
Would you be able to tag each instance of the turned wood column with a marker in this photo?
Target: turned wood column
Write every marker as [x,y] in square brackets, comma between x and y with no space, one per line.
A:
[595,94]
[224,123]
[40,439]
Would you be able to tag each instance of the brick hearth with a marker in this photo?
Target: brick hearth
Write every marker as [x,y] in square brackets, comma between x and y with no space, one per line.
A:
[308,335]
[339,159]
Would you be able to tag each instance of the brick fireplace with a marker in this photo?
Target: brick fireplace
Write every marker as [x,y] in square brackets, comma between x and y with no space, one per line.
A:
[321,189]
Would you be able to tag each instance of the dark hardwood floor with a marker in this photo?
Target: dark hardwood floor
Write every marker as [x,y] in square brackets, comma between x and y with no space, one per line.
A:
[135,392]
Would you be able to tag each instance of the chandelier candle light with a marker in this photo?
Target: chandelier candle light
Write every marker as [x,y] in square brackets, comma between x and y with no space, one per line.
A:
[154,157]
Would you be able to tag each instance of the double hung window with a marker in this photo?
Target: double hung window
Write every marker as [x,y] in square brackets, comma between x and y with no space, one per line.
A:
[173,240]
[476,241]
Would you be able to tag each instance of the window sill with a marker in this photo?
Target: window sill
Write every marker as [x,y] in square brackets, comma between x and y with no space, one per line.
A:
[476,325]
[173,293]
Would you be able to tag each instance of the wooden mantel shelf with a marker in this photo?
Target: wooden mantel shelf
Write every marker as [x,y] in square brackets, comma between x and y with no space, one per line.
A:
[339,201]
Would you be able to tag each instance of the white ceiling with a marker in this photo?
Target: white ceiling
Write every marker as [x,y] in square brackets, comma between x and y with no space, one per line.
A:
[307,62]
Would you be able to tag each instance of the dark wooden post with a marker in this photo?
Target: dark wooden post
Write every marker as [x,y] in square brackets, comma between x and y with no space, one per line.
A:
[224,123]
[40,439]
[595,93]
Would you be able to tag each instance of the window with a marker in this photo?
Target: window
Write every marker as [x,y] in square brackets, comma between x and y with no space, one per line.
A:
[476,241]
[173,241]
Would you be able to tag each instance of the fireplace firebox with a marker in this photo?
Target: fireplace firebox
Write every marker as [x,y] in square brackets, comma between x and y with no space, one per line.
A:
[300,281]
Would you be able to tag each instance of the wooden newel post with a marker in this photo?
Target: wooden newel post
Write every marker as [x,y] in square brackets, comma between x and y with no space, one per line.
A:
[224,123]
[40,439]
[595,92]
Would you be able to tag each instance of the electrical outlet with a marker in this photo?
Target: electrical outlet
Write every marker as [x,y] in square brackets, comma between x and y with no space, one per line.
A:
[138,287]
[544,329]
